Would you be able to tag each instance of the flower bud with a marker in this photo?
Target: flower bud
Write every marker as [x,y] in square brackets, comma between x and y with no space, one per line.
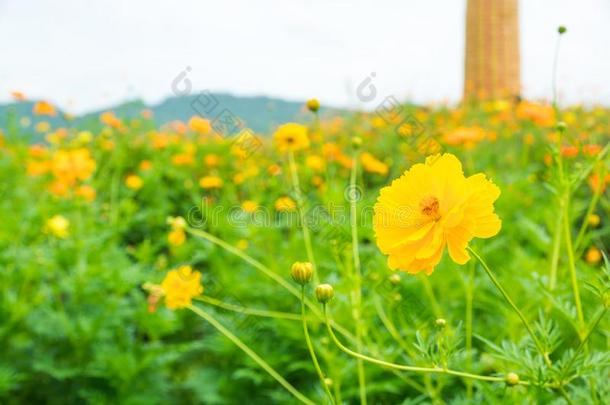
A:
[512,379]
[441,323]
[561,126]
[356,142]
[302,272]
[561,29]
[313,105]
[395,279]
[324,293]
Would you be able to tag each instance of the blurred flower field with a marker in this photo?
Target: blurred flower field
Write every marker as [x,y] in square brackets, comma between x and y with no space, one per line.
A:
[440,255]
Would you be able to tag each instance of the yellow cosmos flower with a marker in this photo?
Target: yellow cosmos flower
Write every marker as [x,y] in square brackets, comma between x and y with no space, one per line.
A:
[58,226]
[249,206]
[285,204]
[431,206]
[291,137]
[208,182]
[176,237]
[134,182]
[373,165]
[315,163]
[44,108]
[180,286]
[593,255]
[200,125]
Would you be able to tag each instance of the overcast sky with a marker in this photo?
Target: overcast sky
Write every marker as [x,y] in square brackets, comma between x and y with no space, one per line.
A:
[86,55]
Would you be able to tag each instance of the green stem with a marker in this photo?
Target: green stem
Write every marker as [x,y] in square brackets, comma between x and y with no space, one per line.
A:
[510,302]
[248,311]
[312,353]
[301,208]
[252,354]
[437,370]
[357,302]
[430,293]
[571,261]
[555,254]
[468,321]
[268,272]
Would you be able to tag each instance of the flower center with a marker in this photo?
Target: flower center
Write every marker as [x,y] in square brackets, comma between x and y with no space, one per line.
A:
[429,207]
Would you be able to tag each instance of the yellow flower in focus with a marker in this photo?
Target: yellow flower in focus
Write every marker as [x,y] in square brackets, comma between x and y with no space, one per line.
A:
[291,137]
[249,206]
[285,204]
[200,125]
[208,182]
[432,205]
[58,226]
[44,108]
[134,182]
[372,165]
[593,255]
[180,286]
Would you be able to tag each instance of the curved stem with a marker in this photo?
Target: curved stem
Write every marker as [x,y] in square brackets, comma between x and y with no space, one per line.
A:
[252,354]
[510,302]
[268,272]
[357,301]
[312,353]
[248,311]
[437,370]
[301,208]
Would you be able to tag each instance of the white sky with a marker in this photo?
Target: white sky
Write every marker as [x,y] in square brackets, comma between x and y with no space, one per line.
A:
[85,55]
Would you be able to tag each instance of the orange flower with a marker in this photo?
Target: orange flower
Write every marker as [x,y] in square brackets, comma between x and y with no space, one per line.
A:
[591,149]
[200,125]
[211,160]
[466,136]
[108,118]
[541,114]
[18,96]
[595,183]
[569,151]
[371,164]
[86,192]
[44,108]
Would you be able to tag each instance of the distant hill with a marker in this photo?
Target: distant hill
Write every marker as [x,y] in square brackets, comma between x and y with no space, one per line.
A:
[261,114]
